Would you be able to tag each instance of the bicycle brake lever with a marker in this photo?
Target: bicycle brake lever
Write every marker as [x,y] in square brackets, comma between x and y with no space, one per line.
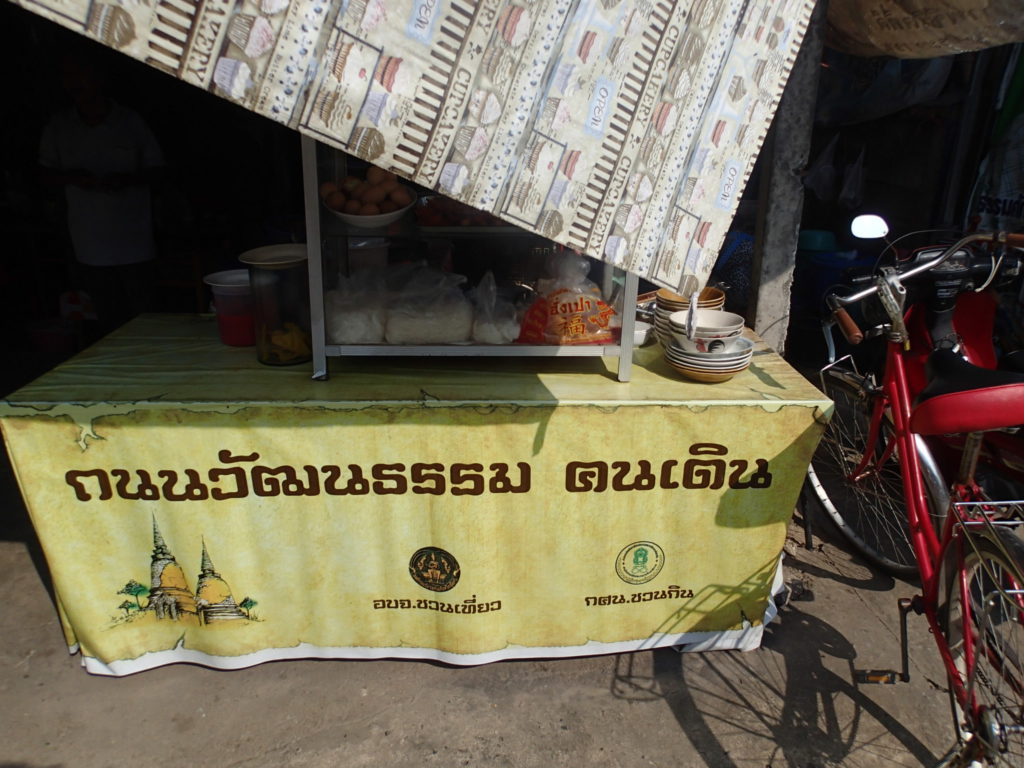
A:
[893,294]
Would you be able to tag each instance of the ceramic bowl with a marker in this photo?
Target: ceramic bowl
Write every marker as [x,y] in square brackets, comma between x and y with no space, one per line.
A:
[664,337]
[642,333]
[690,361]
[707,377]
[741,351]
[738,365]
[709,297]
[668,310]
[703,341]
[737,347]
[709,320]
[374,221]
[697,329]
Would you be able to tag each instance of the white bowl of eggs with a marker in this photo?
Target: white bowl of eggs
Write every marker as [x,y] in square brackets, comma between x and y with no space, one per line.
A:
[368,203]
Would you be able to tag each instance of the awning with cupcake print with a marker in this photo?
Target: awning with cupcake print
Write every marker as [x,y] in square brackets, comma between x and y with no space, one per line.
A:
[625,129]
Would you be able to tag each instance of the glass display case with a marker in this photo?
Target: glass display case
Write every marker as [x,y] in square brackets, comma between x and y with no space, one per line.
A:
[480,256]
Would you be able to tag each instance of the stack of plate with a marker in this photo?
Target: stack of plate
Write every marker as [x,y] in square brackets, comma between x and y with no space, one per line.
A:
[666,302]
[711,366]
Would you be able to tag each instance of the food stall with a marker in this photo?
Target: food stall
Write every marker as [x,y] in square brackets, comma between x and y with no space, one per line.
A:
[195,505]
[463,501]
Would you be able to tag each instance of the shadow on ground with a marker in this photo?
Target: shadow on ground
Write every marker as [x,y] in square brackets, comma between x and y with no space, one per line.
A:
[782,695]
[15,525]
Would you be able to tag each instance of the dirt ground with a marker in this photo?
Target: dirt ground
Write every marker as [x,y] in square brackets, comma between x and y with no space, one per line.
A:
[794,702]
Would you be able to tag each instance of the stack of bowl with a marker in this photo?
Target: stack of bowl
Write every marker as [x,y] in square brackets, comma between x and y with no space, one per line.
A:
[666,302]
[711,367]
[713,350]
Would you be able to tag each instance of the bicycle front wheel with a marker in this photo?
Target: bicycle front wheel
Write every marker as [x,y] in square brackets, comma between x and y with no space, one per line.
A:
[992,569]
[869,510]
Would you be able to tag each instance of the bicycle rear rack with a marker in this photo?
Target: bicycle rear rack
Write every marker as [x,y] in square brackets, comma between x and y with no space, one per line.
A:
[1006,515]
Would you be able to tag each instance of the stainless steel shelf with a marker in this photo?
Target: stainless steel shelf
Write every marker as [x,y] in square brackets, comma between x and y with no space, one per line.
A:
[472,350]
[322,351]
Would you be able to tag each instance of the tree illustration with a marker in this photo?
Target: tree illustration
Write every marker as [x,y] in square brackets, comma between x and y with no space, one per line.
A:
[134,589]
[128,606]
[247,605]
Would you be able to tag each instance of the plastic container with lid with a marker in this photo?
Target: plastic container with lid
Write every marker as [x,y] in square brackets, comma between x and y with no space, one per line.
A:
[279,278]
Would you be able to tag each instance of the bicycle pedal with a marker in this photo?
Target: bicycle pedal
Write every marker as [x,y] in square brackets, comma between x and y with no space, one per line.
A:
[877,676]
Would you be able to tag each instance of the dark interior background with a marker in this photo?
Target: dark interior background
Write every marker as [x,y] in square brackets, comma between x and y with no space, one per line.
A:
[234,179]
[233,182]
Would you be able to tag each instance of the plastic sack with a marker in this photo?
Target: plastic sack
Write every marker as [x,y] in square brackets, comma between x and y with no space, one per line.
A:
[820,178]
[494,321]
[570,309]
[355,312]
[851,194]
[428,308]
[999,191]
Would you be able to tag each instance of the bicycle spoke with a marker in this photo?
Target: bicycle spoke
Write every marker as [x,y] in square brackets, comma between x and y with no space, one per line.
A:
[986,636]
[869,508]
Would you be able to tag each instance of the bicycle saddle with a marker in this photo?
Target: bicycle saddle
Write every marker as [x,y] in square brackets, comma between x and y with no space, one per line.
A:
[961,397]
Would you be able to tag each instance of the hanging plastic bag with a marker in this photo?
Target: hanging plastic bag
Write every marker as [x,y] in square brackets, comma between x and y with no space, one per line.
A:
[430,308]
[851,195]
[494,321]
[570,309]
[355,311]
[821,176]
[999,191]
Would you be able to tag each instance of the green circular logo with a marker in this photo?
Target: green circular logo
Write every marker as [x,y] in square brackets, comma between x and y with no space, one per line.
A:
[639,562]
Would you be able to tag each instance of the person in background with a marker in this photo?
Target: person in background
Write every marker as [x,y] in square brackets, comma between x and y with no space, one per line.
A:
[105,158]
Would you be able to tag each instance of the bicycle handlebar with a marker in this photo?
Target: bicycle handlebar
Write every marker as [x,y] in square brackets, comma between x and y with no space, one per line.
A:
[848,326]
[837,304]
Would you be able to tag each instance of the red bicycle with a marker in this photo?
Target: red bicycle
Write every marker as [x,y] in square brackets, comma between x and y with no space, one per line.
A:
[876,475]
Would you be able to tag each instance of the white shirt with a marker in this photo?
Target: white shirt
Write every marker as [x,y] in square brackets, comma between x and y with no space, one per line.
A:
[108,226]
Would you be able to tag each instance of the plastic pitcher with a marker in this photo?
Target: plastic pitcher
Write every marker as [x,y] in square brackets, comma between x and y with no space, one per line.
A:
[232,301]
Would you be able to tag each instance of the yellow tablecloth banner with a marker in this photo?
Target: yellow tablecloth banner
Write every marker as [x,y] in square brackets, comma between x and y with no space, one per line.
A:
[196,506]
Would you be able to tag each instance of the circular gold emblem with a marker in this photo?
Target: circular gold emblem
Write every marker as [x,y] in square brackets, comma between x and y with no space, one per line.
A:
[434,569]
[639,562]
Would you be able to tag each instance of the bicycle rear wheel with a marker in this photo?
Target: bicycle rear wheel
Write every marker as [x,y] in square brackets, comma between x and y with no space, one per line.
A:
[870,511]
[993,567]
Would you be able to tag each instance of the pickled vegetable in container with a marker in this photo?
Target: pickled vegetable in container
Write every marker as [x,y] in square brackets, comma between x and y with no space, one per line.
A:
[278,275]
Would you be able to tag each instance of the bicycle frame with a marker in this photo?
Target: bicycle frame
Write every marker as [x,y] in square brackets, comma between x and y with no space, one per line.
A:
[949,547]
[931,549]
[928,548]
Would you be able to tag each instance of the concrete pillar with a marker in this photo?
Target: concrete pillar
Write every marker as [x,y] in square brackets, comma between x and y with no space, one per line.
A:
[781,194]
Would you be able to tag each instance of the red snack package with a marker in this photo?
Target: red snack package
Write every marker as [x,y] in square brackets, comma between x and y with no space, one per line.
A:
[570,309]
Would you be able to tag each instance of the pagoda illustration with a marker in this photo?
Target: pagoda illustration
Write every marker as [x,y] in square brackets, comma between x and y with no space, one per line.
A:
[213,595]
[169,595]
